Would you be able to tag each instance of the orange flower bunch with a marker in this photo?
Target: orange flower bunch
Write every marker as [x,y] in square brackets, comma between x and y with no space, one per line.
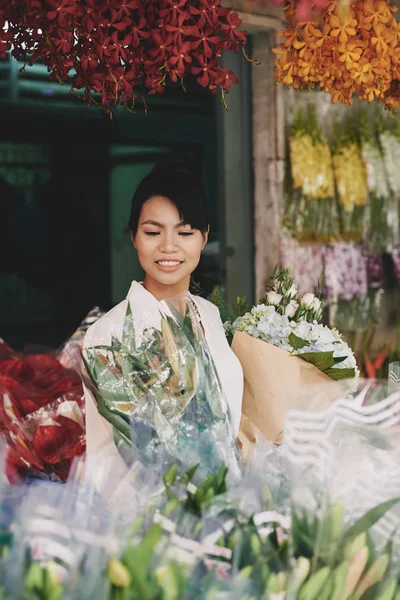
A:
[346,48]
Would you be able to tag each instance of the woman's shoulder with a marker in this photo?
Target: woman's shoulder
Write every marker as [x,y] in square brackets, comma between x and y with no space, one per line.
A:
[100,331]
[207,307]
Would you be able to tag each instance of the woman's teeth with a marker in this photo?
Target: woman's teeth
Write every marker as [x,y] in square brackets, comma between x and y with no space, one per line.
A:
[169,263]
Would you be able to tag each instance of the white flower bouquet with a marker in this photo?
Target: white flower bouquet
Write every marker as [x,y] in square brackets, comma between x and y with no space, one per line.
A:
[283,347]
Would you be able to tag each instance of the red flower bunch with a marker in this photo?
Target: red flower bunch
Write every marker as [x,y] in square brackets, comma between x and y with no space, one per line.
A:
[41,414]
[123,49]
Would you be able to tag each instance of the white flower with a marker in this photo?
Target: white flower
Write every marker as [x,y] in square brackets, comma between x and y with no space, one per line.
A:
[303,330]
[293,291]
[316,304]
[308,300]
[291,308]
[274,298]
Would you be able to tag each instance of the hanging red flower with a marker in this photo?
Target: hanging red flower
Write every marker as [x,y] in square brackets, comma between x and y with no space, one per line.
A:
[123,49]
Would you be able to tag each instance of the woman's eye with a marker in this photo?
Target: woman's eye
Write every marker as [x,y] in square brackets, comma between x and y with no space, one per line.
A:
[152,233]
[186,233]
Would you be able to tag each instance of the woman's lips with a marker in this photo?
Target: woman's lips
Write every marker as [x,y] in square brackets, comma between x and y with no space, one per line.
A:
[168,265]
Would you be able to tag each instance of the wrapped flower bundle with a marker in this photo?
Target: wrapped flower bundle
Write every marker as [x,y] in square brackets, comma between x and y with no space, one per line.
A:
[283,347]
[163,380]
[336,539]
[310,210]
[42,415]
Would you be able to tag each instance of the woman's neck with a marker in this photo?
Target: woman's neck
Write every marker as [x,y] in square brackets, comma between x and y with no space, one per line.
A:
[162,292]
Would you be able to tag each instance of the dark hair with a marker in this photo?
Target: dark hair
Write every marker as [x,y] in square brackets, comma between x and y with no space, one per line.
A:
[179,182]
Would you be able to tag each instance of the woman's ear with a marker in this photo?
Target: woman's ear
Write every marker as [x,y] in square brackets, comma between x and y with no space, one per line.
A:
[131,235]
[205,237]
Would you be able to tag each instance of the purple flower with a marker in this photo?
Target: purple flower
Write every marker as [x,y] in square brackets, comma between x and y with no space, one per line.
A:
[345,272]
[375,271]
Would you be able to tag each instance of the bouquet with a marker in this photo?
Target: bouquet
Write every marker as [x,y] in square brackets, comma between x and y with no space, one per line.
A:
[159,388]
[42,415]
[283,348]
[310,210]
[336,538]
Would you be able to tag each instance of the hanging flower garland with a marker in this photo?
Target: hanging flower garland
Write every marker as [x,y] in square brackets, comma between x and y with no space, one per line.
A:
[343,50]
[123,49]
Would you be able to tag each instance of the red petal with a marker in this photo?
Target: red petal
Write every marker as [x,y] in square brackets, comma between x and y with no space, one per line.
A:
[47,443]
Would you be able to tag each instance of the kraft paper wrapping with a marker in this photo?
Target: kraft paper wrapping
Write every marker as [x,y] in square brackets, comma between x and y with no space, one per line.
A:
[274,382]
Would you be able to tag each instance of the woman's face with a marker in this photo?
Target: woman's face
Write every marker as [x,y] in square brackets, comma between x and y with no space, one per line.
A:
[168,249]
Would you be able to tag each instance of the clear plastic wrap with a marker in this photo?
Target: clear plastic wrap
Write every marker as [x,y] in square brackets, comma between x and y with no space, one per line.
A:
[342,449]
[42,415]
[158,386]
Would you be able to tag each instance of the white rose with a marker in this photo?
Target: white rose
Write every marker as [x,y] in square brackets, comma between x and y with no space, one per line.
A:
[291,308]
[308,300]
[316,304]
[293,291]
[274,298]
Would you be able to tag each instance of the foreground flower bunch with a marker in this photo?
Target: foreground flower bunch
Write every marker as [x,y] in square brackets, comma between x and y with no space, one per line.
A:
[290,322]
[343,51]
[123,49]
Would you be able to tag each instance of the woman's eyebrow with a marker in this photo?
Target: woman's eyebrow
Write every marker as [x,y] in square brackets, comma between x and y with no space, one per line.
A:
[153,223]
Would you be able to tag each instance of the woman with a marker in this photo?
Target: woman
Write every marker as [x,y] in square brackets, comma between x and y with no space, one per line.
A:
[169,229]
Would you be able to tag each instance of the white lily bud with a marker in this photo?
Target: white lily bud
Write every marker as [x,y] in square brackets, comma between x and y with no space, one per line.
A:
[291,308]
[308,300]
[293,291]
[274,298]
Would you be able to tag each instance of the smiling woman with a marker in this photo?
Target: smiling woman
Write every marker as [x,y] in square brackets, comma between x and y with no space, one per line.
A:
[169,229]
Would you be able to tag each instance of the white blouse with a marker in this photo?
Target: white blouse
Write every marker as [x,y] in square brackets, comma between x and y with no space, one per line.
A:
[145,307]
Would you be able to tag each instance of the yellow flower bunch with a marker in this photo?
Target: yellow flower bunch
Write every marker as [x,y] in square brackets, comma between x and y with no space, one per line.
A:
[311,164]
[350,177]
[344,49]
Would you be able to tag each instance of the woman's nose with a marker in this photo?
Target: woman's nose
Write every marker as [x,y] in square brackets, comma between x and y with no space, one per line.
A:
[169,243]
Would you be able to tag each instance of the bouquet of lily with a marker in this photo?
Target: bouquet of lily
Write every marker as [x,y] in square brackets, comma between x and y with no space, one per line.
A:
[158,387]
[283,347]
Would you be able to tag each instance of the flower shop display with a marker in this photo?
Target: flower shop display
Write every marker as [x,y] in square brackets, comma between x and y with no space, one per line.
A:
[283,349]
[382,222]
[165,382]
[113,53]
[305,262]
[342,51]
[353,287]
[351,182]
[333,535]
[310,208]
[389,137]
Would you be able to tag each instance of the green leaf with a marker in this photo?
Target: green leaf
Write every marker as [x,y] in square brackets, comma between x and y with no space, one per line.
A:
[339,359]
[322,360]
[296,342]
[138,560]
[128,331]
[338,374]
[368,520]
[171,475]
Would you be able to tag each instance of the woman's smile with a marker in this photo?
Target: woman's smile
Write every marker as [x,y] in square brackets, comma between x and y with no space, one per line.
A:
[169,266]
